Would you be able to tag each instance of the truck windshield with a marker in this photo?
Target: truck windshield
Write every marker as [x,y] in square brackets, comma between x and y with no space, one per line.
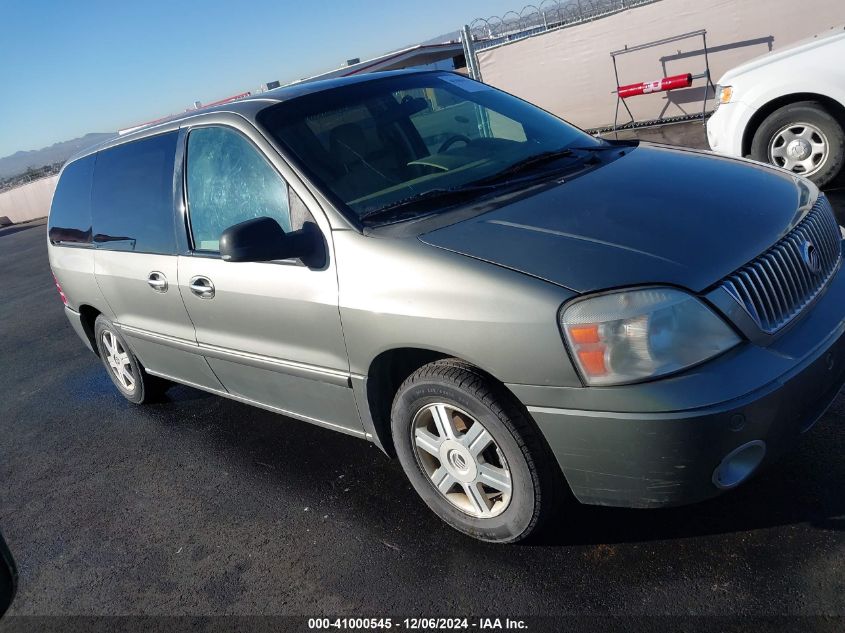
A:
[379,144]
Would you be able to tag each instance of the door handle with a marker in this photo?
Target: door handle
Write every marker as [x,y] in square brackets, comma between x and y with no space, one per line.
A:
[202,287]
[157,281]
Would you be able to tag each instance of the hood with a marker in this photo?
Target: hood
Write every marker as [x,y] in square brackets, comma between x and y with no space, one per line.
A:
[791,50]
[655,215]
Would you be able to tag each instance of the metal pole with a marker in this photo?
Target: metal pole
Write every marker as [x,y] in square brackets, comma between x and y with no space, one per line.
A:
[475,73]
[709,83]
[616,115]
[469,53]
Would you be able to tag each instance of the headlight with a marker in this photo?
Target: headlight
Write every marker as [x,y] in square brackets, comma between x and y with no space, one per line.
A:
[723,95]
[632,335]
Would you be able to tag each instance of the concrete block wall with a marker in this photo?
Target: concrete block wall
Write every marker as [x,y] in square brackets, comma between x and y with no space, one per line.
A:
[29,201]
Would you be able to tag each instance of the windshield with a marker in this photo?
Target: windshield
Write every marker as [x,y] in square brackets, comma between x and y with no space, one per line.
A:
[378,144]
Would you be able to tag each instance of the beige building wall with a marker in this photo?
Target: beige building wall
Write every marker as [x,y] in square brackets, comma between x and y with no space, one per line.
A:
[29,201]
[569,71]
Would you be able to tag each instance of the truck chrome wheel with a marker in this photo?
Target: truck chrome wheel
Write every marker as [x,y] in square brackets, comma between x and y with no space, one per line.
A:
[799,147]
[118,360]
[462,460]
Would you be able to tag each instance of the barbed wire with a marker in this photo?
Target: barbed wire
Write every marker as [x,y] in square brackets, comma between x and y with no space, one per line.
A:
[546,15]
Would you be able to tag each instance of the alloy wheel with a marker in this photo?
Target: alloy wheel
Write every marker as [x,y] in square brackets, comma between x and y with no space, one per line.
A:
[118,360]
[462,460]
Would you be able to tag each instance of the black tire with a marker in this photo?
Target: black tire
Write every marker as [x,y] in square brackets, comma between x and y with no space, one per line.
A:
[146,388]
[808,112]
[537,484]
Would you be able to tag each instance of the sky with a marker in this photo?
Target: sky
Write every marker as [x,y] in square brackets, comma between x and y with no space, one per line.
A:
[72,67]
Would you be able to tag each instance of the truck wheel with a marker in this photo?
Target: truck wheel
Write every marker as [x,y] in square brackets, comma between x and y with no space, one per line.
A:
[123,367]
[803,138]
[472,454]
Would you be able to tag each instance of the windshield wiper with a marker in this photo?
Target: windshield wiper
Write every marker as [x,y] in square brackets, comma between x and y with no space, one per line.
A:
[454,195]
[536,160]
[410,204]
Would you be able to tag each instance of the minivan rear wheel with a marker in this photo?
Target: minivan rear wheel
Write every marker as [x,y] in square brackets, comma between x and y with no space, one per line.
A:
[472,453]
[123,367]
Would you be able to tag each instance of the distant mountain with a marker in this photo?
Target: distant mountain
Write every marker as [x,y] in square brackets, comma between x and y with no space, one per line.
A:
[19,162]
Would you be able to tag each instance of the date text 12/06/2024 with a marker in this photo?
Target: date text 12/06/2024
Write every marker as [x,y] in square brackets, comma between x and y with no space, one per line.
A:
[417,624]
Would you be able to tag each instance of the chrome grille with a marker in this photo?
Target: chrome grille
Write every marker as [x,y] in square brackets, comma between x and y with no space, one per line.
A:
[776,286]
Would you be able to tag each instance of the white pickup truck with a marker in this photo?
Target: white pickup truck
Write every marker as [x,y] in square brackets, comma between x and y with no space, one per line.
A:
[786,108]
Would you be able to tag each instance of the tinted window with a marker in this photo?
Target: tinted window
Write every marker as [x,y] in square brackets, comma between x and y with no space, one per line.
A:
[133,196]
[70,215]
[381,143]
[229,182]
[445,116]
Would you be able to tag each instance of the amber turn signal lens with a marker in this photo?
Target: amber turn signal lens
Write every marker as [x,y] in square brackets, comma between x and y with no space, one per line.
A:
[592,360]
[584,334]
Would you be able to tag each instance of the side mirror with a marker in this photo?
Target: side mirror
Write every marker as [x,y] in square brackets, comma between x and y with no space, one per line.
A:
[8,577]
[263,240]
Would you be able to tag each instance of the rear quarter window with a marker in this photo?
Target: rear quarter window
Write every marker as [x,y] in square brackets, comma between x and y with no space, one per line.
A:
[132,199]
[70,214]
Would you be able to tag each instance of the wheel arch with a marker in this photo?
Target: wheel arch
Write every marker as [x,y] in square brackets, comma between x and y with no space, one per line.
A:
[386,373]
[832,106]
[88,315]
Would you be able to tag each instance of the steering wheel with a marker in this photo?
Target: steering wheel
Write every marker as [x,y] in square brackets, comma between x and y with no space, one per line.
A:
[452,140]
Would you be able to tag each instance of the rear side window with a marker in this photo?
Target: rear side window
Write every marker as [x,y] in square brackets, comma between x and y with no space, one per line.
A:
[229,181]
[132,200]
[70,215]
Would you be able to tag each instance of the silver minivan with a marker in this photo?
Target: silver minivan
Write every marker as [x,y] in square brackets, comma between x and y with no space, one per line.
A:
[521,313]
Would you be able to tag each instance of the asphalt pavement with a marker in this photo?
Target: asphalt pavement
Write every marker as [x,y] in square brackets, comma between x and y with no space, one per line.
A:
[201,506]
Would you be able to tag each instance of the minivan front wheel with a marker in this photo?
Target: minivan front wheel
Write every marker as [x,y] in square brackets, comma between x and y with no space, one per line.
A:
[122,366]
[472,454]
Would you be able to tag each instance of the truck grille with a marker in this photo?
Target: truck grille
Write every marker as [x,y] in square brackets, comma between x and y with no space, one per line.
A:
[776,286]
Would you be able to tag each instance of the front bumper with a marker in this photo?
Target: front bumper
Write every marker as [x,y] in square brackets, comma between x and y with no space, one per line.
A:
[726,126]
[658,444]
